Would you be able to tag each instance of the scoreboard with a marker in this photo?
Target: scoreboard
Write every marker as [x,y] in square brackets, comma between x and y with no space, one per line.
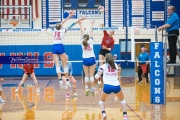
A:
[82,4]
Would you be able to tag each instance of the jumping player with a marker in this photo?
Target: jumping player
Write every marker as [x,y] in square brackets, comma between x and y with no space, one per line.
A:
[107,45]
[1,100]
[28,70]
[71,78]
[58,49]
[88,55]
[111,84]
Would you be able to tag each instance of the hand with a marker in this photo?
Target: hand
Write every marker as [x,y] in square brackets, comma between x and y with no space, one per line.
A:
[92,21]
[101,25]
[70,15]
[104,47]
[80,22]
[160,28]
[83,18]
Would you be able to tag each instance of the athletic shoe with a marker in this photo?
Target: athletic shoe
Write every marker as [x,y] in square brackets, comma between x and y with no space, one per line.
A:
[67,95]
[38,90]
[125,117]
[92,91]
[139,82]
[104,116]
[2,101]
[87,92]
[61,84]
[68,83]
[17,89]
[74,93]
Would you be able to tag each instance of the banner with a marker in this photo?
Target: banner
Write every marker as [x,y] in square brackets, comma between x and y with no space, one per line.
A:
[91,14]
[157,73]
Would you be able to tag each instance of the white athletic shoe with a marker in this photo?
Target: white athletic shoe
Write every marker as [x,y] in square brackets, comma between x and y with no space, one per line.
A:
[2,101]
[125,117]
[104,116]
[17,89]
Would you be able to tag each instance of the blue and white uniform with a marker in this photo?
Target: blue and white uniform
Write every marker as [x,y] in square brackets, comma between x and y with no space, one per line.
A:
[110,78]
[58,38]
[88,53]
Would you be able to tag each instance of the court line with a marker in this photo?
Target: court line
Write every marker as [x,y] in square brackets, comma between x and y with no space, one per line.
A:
[48,83]
[134,112]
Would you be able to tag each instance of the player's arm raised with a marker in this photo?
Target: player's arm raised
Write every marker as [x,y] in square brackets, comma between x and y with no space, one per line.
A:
[81,29]
[92,24]
[83,18]
[70,16]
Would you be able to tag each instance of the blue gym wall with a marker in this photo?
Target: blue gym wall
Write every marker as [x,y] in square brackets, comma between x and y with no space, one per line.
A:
[74,52]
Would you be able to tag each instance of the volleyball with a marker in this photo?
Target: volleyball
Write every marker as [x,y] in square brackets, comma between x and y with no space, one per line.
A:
[100,9]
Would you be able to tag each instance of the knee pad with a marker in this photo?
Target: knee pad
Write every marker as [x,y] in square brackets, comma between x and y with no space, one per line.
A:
[101,102]
[22,82]
[86,79]
[123,101]
[66,70]
[0,87]
[58,70]
[91,79]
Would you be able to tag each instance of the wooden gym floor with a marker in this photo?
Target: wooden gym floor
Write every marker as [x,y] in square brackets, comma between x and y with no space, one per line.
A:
[51,103]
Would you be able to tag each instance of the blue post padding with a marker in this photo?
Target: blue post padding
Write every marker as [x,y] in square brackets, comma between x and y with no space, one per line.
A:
[156,73]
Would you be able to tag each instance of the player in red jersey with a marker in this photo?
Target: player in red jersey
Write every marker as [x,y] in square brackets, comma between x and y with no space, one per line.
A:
[28,70]
[107,45]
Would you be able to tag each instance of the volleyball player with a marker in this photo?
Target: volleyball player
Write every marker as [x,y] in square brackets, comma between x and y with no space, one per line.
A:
[28,70]
[71,78]
[58,49]
[107,45]
[111,84]
[1,100]
[88,55]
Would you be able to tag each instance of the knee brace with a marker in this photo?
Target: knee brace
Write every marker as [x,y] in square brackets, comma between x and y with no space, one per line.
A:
[0,87]
[58,70]
[66,70]
[86,79]
[101,102]
[123,101]
[91,79]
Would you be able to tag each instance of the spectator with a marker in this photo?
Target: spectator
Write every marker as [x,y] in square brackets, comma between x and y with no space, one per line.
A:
[142,64]
[172,26]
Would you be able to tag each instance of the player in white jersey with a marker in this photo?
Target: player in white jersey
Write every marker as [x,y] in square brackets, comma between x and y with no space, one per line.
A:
[111,84]
[88,55]
[58,49]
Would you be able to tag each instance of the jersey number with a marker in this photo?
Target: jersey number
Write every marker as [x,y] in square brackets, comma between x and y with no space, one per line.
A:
[110,69]
[57,36]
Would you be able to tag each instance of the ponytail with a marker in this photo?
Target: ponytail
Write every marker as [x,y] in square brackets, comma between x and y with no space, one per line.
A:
[85,39]
[110,60]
